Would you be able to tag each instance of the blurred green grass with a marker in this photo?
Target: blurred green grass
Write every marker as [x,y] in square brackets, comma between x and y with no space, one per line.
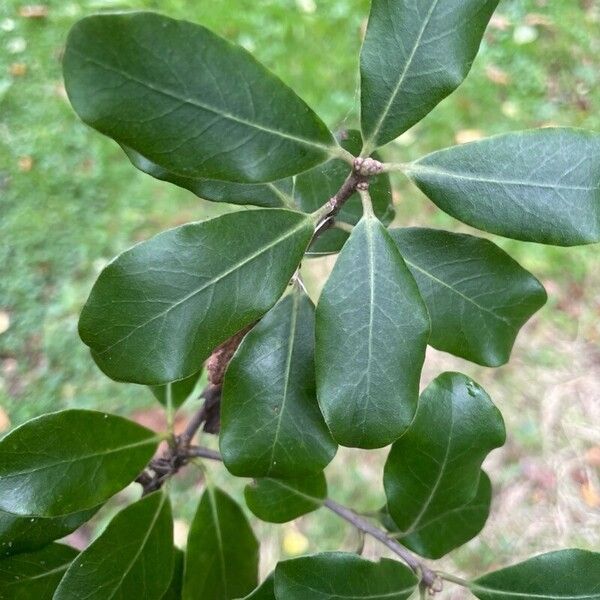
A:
[69,200]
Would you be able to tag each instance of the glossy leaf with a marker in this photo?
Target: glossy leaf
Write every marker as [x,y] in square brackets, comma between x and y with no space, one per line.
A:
[372,329]
[414,55]
[282,500]
[314,187]
[133,553]
[35,576]
[188,100]
[70,461]
[159,309]
[337,575]
[266,591]
[20,534]
[435,466]
[179,391]
[562,575]
[538,186]
[271,425]
[176,586]
[268,195]
[221,561]
[478,297]
[450,529]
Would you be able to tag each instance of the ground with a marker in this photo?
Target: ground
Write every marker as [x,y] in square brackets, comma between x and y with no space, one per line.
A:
[69,201]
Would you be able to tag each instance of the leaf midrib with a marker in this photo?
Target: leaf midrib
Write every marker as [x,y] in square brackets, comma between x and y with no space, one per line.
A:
[295,491]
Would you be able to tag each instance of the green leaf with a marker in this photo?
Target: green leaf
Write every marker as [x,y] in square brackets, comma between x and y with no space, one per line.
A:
[159,309]
[337,575]
[188,100]
[20,534]
[562,575]
[271,425]
[414,55]
[453,528]
[180,390]
[265,591]
[221,561]
[283,500]
[268,195]
[478,297]
[372,330]
[538,186]
[70,461]
[34,576]
[176,586]
[133,554]
[435,466]
[313,188]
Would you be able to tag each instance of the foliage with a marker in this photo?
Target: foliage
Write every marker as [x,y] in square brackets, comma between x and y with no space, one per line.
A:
[287,382]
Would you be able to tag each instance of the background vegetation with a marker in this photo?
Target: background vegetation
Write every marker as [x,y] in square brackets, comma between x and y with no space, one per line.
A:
[70,201]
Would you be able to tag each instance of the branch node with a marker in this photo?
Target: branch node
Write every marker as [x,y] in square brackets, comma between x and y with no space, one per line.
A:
[367,167]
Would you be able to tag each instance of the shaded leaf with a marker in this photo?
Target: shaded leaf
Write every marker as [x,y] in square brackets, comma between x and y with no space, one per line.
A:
[271,425]
[221,560]
[414,55]
[372,329]
[133,553]
[562,575]
[35,576]
[189,100]
[337,575]
[540,186]
[160,308]
[282,500]
[435,466]
[176,586]
[180,390]
[266,591]
[478,297]
[53,465]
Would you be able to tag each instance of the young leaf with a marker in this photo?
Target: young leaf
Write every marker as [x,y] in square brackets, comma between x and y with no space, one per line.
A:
[538,186]
[265,591]
[133,554]
[337,575]
[188,100]
[268,195]
[159,309]
[283,500]
[271,425]
[478,297]
[435,466]
[70,461]
[35,576]
[180,390]
[414,55]
[176,586]
[453,528]
[562,575]
[221,561]
[20,534]
[372,330]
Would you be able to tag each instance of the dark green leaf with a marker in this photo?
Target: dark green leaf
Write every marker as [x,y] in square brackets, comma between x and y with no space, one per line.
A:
[435,466]
[449,530]
[266,591]
[562,575]
[372,330]
[180,390]
[20,534]
[271,425]
[414,55]
[221,561]
[538,186]
[70,461]
[269,195]
[133,557]
[34,576]
[176,585]
[189,100]
[159,309]
[478,297]
[282,500]
[337,575]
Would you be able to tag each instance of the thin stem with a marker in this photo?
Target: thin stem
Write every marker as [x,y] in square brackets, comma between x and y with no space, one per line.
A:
[343,226]
[343,154]
[198,452]
[396,167]
[363,190]
[454,579]
[170,411]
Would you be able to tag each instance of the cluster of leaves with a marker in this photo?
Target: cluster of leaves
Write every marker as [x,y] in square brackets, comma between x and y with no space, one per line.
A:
[190,108]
